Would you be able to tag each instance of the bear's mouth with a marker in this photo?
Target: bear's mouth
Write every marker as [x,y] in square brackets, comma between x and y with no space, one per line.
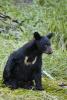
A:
[49,50]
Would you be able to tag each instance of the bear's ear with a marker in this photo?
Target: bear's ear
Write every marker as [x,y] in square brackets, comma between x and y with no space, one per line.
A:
[37,36]
[50,35]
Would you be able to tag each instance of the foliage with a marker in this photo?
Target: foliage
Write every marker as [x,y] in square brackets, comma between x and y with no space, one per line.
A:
[49,17]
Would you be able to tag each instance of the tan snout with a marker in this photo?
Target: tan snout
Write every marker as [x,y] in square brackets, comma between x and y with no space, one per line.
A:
[49,50]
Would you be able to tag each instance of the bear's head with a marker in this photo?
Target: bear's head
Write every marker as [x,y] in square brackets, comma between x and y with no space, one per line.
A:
[43,42]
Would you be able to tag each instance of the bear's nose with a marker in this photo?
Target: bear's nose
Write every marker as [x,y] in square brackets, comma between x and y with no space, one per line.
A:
[50,51]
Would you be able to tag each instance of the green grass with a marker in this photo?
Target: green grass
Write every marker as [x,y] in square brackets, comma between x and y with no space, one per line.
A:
[51,17]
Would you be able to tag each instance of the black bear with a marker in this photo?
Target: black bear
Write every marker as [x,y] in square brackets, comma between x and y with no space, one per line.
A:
[23,68]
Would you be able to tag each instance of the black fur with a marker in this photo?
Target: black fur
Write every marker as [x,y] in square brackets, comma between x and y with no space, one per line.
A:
[18,74]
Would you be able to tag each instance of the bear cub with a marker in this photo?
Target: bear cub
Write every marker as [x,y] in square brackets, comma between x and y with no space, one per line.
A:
[23,67]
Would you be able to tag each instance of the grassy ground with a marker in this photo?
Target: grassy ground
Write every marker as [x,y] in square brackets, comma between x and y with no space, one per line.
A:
[55,65]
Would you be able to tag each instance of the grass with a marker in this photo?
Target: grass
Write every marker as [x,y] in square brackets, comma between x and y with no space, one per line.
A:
[51,17]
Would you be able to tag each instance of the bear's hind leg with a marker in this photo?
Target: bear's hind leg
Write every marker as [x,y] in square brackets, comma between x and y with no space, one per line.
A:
[11,84]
